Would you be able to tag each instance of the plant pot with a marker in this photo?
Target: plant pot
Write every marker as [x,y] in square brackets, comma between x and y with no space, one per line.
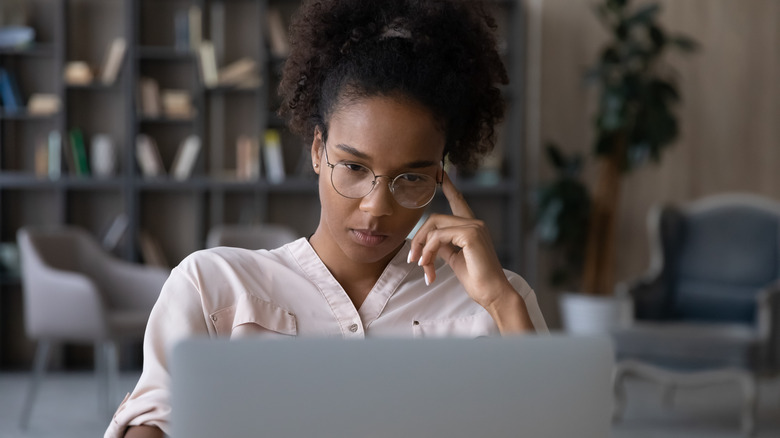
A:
[594,315]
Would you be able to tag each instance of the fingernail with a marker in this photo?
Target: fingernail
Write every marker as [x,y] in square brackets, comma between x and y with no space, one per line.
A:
[419,262]
[427,281]
[409,257]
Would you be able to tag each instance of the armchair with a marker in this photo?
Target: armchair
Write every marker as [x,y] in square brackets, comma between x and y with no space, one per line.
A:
[76,292]
[709,309]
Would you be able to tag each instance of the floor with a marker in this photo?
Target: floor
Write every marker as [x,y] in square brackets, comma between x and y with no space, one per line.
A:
[67,408]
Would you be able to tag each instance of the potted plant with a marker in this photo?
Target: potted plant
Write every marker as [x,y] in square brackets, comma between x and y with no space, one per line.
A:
[634,124]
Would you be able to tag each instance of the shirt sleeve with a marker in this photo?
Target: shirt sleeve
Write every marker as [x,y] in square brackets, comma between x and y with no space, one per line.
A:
[177,314]
[531,304]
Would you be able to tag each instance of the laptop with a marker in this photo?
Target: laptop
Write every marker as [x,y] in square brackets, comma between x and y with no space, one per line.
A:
[533,386]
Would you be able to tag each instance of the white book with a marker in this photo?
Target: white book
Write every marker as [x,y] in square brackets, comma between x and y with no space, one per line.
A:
[113,61]
[195,26]
[273,158]
[247,158]
[277,33]
[208,64]
[150,97]
[115,232]
[185,158]
[55,154]
[148,156]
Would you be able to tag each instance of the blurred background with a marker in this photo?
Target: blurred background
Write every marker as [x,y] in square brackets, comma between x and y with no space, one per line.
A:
[149,126]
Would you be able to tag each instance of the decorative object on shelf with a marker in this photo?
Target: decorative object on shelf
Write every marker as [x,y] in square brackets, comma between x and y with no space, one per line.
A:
[16,37]
[185,158]
[113,61]
[273,158]
[79,150]
[43,104]
[10,94]
[78,73]
[247,158]
[103,156]
[148,156]
[208,64]
[41,160]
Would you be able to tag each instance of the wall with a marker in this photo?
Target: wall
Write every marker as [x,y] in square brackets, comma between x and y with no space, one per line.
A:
[730,139]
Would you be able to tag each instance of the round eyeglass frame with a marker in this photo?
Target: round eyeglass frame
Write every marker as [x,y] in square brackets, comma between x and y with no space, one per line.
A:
[390,185]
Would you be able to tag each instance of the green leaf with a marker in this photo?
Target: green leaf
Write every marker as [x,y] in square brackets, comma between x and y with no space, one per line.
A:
[555,156]
[646,14]
[684,43]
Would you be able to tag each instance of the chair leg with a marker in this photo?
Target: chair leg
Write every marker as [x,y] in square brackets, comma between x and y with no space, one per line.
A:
[39,367]
[619,391]
[108,374]
[750,392]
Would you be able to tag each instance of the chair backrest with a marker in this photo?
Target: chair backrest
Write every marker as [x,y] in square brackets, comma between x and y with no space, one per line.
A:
[719,252]
[264,236]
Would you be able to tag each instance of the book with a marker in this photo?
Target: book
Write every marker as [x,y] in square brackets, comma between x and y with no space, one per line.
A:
[277,34]
[272,156]
[43,104]
[247,158]
[79,152]
[195,26]
[208,64]
[185,158]
[151,251]
[148,156]
[181,30]
[177,104]
[149,97]
[115,232]
[238,72]
[113,61]
[41,160]
[10,95]
[55,155]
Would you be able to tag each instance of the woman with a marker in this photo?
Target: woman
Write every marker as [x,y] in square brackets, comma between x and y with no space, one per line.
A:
[384,91]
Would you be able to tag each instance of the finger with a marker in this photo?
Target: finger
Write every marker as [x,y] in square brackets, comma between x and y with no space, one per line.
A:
[457,202]
[434,222]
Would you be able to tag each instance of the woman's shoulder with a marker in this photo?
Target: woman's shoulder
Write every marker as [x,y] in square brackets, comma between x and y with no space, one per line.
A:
[225,257]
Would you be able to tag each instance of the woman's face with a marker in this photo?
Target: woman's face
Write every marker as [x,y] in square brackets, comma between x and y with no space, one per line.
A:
[390,136]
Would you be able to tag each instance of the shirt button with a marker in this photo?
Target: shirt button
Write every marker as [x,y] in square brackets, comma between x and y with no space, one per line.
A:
[214,318]
[353,328]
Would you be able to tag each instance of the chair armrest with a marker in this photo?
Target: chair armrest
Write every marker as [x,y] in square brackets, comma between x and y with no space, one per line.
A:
[649,296]
[63,305]
[768,321]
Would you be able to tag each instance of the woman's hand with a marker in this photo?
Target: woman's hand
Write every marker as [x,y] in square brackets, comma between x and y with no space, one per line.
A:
[465,244]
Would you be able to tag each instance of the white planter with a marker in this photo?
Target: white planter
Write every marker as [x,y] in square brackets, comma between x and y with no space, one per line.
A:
[594,315]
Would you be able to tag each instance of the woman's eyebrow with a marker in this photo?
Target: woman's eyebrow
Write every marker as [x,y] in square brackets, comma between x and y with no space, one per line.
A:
[363,156]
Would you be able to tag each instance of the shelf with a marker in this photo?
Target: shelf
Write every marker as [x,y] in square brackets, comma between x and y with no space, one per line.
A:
[36,50]
[26,180]
[94,86]
[166,120]
[232,90]
[22,115]
[164,53]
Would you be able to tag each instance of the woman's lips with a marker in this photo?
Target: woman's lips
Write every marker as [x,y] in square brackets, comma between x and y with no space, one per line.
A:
[368,237]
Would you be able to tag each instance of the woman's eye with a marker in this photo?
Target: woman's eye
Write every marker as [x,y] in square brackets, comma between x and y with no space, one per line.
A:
[411,177]
[355,167]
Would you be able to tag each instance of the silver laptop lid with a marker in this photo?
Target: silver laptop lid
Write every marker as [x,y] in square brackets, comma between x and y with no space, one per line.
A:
[533,386]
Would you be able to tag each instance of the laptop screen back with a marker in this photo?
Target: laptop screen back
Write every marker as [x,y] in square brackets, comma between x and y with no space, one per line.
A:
[535,386]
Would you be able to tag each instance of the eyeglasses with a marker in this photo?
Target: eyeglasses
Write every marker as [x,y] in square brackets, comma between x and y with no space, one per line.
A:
[352,180]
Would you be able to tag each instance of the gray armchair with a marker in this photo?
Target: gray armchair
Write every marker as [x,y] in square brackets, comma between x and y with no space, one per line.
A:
[76,292]
[709,309]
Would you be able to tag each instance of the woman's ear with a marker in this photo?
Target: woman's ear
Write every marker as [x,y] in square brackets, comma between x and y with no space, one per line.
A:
[316,150]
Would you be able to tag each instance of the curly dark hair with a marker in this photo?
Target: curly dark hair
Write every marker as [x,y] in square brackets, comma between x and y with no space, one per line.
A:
[440,53]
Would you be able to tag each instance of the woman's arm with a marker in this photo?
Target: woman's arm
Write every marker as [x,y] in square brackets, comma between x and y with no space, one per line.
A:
[144,432]
[464,242]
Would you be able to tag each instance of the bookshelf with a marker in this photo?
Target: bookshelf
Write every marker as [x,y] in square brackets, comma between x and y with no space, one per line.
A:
[179,213]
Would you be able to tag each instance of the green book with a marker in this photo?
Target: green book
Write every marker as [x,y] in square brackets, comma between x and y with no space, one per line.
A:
[79,152]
